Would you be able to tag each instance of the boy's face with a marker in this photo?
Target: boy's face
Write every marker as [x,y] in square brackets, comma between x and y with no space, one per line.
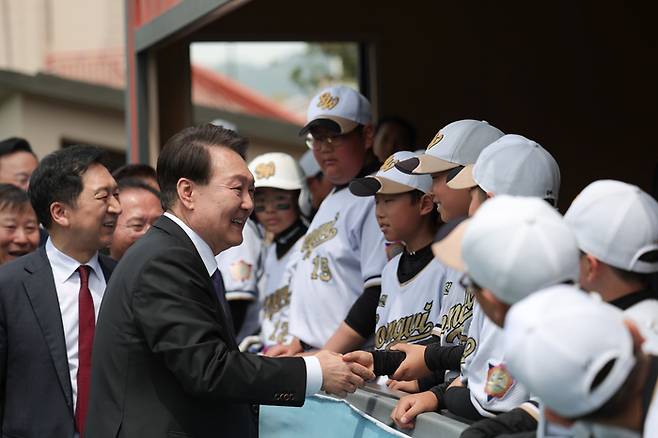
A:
[491,306]
[398,216]
[275,208]
[477,199]
[451,204]
[341,157]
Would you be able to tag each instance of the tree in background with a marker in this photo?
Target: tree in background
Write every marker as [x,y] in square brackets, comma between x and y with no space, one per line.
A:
[327,63]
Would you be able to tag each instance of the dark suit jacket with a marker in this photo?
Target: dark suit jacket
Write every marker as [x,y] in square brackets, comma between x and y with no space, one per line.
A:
[35,395]
[164,361]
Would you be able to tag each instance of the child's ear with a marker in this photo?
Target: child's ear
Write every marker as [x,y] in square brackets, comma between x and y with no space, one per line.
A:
[426,204]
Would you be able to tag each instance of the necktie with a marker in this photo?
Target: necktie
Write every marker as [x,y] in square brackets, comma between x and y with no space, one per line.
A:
[220,291]
[86,327]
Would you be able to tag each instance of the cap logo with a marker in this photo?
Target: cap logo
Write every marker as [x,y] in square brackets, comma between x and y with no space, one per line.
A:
[327,102]
[437,138]
[265,170]
[389,164]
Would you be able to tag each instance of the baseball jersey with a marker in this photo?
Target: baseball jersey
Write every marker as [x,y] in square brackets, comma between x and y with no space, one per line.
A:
[275,294]
[407,312]
[342,253]
[241,265]
[645,315]
[492,388]
[456,310]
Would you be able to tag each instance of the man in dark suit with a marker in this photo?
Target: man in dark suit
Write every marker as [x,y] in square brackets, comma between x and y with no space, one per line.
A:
[49,299]
[165,359]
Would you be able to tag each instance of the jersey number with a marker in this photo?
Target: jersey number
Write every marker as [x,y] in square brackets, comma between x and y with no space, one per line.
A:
[321,269]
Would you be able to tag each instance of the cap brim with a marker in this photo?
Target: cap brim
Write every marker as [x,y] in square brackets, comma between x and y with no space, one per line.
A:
[424,164]
[449,250]
[464,179]
[338,125]
[371,185]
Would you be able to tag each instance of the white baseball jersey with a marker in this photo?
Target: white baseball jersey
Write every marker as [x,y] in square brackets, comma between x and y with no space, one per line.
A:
[456,310]
[241,265]
[343,253]
[407,312]
[645,315]
[275,294]
[492,387]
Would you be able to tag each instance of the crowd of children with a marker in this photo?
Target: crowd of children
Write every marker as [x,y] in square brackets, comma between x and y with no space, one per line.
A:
[452,272]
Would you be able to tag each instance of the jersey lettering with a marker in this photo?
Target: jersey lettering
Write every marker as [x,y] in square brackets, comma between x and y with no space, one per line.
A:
[452,323]
[320,235]
[276,301]
[406,329]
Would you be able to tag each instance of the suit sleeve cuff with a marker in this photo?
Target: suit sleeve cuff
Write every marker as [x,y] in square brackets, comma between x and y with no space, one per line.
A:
[313,375]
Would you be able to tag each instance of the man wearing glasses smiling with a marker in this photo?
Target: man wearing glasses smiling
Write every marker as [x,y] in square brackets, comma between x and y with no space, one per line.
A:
[343,252]
[141,207]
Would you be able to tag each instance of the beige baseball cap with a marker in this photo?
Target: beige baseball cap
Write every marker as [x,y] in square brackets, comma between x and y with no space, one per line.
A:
[456,144]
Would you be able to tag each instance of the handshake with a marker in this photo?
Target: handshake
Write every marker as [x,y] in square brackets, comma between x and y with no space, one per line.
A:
[340,377]
[342,374]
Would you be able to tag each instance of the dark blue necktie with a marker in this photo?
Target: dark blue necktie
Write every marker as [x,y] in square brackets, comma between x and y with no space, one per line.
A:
[220,291]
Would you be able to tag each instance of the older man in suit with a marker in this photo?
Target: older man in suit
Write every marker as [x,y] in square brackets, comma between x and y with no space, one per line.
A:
[165,358]
[49,299]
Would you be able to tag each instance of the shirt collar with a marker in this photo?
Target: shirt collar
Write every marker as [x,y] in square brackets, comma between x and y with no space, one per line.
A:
[201,246]
[64,266]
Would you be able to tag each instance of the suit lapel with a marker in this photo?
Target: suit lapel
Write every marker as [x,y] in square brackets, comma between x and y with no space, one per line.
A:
[40,290]
[170,227]
[107,266]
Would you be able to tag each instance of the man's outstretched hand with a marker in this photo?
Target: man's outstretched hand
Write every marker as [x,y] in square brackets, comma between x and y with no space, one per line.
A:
[340,377]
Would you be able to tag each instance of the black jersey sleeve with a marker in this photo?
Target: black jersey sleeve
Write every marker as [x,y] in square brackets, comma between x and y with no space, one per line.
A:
[439,357]
[361,317]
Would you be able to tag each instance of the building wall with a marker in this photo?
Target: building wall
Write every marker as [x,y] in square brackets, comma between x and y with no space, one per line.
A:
[32,29]
[45,124]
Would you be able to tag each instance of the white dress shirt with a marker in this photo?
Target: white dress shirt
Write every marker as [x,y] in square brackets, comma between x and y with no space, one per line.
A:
[67,284]
[313,368]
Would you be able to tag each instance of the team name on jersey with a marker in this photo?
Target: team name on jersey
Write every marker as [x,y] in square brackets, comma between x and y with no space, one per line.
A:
[406,329]
[452,323]
[276,301]
[320,235]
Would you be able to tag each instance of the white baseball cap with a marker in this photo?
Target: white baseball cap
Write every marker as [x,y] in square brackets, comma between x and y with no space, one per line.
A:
[618,224]
[456,144]
[558,343]
[512,165]
[389,180]
[309,164]
[277,170]
[338,108]
[512,246]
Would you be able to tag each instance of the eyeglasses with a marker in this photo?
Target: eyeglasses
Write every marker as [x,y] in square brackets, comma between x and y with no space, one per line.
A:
[331,141]
[279,202]
[469,285]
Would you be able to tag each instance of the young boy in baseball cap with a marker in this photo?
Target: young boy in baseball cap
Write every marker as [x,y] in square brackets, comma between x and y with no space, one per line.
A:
[409,304]
[456,145]
[512,165]
[343,252]
[279,185]
[616,226]
[511,247]
[603,376]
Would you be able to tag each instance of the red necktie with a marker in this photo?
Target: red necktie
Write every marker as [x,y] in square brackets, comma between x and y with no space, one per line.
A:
[86,327]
